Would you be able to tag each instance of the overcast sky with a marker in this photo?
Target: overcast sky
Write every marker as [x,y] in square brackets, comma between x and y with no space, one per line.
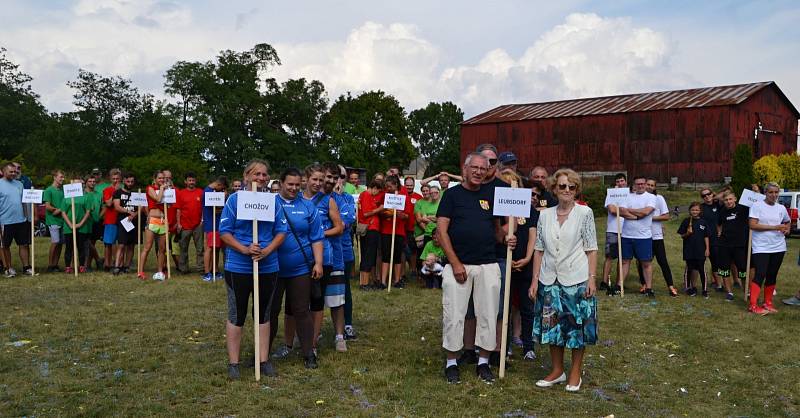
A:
[478,54]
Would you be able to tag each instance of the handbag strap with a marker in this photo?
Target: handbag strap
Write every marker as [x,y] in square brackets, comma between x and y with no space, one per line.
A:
[294,233]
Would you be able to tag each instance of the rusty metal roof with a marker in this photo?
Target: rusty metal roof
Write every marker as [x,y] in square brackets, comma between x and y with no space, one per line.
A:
[676,99]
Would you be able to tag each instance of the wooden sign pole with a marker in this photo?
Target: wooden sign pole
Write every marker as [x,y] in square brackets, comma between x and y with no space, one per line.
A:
[167,252]
[256,310]
[391,252]
[74,240]
[621,279]
[506,296]
[214,243]
[33,242]
[139,266]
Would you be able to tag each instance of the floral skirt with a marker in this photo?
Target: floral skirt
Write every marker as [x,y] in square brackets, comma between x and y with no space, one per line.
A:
[564,317]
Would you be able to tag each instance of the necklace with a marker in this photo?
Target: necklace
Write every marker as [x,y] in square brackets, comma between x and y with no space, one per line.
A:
[565,213]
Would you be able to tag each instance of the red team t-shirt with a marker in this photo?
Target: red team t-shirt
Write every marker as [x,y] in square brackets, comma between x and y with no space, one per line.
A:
[190,202]
[110,217]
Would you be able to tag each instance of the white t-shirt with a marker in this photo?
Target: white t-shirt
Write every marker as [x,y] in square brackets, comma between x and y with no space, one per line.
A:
[611,222]
[640,228]
[769,241]
[661,209]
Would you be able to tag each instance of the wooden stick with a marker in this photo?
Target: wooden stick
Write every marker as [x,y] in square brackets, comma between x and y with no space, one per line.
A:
[747,276]
[74,240]
[391,252]
[139,266]
[33,242]
[620,279]
[506,296]
[167,251]
[255,301]
[213,243]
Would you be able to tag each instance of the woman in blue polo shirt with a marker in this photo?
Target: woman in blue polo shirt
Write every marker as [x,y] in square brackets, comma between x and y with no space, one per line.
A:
[240,253]
[300,261]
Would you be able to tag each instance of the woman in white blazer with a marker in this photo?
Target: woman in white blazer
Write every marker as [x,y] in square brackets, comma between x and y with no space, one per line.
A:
[563,286]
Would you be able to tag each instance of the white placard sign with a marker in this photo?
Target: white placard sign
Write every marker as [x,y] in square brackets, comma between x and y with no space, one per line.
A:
[32,196]
[138,199]
[509,201]
[749,198]
[255,205]
[73,190]
[617,196]
[127,224]
[214,198]
[168,196]
[394,201]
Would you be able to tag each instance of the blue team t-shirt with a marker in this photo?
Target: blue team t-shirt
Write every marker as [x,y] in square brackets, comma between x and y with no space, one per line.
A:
[208,212]
[322,202]
[242,230]
[347,210]
[304,228]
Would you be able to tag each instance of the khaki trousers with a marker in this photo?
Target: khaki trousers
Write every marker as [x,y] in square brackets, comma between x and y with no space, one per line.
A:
[483,284]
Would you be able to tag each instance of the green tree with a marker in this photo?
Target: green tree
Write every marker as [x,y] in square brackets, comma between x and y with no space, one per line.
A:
[790,170]
[367,131]
[21,114]
[436,130]
[743,175]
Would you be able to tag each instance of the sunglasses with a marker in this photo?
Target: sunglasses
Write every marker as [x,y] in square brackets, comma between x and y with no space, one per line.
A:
[705,194]
[564,186]
[492,161]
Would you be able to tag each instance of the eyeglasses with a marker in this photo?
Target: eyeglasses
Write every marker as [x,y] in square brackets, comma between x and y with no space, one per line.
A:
[705,194]
[478,168]
[564,186]
[492,161]
[640,184]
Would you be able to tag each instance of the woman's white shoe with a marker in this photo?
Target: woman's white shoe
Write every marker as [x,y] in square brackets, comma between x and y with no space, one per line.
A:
[548,383]
[571,388]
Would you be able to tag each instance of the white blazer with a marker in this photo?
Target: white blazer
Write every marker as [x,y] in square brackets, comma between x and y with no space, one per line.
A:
[565,245]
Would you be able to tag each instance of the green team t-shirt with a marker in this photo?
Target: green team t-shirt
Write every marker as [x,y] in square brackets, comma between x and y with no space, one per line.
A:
[350,189]
[432,248]
[83,204]
[54,195]
[96,200]
[426,208]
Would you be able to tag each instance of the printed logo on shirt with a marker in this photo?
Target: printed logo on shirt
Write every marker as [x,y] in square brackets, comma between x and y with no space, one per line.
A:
[484,204]
[731,217]
[521,221]
[703,227]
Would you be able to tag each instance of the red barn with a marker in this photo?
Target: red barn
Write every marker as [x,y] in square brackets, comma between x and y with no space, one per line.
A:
[689,134]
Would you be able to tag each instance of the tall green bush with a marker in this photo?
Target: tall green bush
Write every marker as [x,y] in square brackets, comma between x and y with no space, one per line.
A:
[743,175]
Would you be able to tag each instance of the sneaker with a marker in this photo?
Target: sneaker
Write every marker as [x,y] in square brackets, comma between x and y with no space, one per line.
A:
[516,341]
[452,374]
[67,270]
[643,290]
[692,291]
[399,285]
[614,290]
[529,356]
[141,276]
[233,372]
[770,308]
[364,288]
[729,297]
[158,276]
[311,362]
[341,345]
[11,273]
[125,270]
[207,278]
[468,357]
[705,294]
[27,272]
[484,372]
[792,301]
[673,291]
[282,352]
[757,310]
[603,286]
[218,276]
[649,293]
[82,269]
[268,369]
[116,271]
[720,288]
[51,269]
[350,333]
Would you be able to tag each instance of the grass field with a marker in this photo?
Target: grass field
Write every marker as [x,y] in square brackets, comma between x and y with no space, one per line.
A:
[101,345]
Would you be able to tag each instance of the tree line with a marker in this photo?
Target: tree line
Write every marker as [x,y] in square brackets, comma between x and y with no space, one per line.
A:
[218,114]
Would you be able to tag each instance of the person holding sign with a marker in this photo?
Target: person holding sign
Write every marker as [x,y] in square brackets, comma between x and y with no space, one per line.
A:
[240,254]
[612,239]
[468,231]
[369,209]
[53,198]
[320,183]
[127,233]
[300,262]
[392,186]
[156,227]
[82,207]
[211,229]
[732,231]
[563,284]
[771,224]
[15,225]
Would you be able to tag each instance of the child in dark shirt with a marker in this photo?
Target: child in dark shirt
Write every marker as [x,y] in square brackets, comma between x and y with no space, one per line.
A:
[695,233]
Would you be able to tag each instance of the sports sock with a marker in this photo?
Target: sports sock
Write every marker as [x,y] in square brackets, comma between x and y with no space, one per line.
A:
[483,360]
[755,290]
[452,362]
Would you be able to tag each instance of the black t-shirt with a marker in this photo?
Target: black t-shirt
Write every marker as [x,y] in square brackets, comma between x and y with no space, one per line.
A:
[471,229]
[735,225]
[694,246]
[124,197]
[710,213]
[522,231]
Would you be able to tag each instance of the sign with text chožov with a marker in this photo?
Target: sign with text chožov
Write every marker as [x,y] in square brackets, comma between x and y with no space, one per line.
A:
[255,206]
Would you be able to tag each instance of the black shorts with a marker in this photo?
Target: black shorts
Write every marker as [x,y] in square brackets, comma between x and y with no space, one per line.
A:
[369,250]
[727,256]
[386,248]
[19,233]
[240,287]
[713,257]
[97,231]
[124,237]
